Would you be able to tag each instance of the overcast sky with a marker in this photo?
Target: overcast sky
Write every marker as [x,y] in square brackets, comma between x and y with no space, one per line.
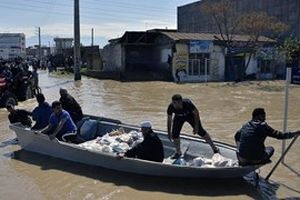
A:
[109,18]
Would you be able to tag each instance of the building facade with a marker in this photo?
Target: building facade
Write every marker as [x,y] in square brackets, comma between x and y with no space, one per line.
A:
[62,44]
[12,45]
[192,20]
[185,57]
[33,52]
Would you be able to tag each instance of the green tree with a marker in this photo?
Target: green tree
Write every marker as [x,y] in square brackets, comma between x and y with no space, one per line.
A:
[290,49]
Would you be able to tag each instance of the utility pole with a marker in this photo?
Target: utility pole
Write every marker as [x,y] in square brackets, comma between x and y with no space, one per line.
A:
[77,59]
[39,48]
[92,36]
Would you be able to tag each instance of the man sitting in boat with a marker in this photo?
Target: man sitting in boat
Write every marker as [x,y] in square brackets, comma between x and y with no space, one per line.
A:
[41,114]
[251,137]
[150,149]
[185,111]
[18,115]
[70,105]
[60,124]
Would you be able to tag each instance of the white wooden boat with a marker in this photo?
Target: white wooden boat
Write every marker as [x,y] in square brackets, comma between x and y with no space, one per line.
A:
[72,152]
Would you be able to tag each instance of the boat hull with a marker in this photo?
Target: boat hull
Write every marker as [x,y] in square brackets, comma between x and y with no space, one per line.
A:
[42,145]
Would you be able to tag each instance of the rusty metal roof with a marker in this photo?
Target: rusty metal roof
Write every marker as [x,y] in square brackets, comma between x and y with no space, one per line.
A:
[210,37]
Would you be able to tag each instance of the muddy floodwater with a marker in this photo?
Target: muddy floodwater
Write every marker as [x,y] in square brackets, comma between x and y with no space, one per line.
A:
[223,107]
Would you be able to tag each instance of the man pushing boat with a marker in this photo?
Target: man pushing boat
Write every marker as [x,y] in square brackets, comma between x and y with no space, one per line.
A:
[185,111]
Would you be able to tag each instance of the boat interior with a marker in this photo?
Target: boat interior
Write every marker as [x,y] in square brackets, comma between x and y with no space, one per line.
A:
[192,147]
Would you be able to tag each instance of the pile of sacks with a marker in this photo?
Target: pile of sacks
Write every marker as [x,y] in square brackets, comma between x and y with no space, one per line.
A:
[117,141]
[216,161]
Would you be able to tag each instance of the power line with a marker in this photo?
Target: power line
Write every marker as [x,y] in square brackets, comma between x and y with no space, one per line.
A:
[127,5]
[111,5]
[85,15]
[110,10]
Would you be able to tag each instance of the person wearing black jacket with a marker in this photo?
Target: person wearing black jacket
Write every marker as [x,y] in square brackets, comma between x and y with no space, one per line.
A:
[150,149]
[19,115]
[251,137]
[70,105]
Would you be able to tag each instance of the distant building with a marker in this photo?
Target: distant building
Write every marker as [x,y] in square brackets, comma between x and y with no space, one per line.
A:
[192,20]
[12,45]
[185,57]
[33,52]
[61,44]
[91,57]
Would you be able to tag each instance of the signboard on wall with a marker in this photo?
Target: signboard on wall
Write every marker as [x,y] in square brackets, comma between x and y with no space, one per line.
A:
[180,62]
[200,46]
[296,75]
[181,57]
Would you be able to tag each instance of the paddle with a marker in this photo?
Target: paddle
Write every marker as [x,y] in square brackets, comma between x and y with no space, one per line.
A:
[281,157]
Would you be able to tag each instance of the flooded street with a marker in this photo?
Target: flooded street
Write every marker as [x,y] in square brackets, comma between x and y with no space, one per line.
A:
[223,109]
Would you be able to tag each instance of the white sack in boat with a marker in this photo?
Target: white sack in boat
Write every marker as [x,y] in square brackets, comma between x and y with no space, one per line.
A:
[106,149]
[120,147]
[115,141]
[216,161]
[136,135]
[201,162]
[221,161]
[91,145]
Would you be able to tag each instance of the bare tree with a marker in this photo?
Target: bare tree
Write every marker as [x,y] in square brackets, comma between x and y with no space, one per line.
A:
[224,18]
[255,25]
[229,22]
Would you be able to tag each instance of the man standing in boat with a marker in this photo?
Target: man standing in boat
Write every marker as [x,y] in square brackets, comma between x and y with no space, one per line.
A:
[150,149]
[251,137]
[184,111]
[60,124]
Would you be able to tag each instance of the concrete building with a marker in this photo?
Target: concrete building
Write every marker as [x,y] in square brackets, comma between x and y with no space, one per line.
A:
[91,57]
[12,45]
[184,57]
[33,52]
[62,43]
[192,20]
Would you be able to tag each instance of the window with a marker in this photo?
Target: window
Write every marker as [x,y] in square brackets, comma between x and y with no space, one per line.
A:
[199,64]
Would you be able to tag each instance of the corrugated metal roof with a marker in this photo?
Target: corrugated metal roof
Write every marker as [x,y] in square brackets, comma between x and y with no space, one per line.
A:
[210,37]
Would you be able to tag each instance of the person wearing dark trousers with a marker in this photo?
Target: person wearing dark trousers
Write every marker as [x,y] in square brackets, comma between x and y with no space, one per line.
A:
[185,111]
[251,137]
